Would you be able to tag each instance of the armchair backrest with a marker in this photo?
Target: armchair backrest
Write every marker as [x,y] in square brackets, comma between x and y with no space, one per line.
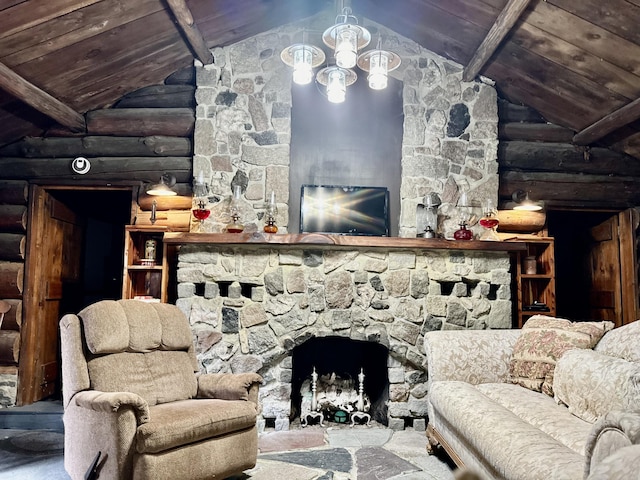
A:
[129,346]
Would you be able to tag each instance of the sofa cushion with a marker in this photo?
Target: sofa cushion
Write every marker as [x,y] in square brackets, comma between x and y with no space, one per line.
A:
[133,326]
[158,377]
[176,331]
[172,374]
[542,342]
[509,446]
[622,342]
[179,423]
[122,372]
[106,328]
[592,384]
[541,411]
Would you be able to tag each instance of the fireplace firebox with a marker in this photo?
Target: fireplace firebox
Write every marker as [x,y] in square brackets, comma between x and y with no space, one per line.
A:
[343,360]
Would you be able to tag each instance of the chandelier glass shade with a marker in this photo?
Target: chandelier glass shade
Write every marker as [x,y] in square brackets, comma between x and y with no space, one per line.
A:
[303,58]
[336,79]
[378,63]
[346,38]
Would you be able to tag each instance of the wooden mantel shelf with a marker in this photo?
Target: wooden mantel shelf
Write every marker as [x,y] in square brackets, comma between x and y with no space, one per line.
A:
[343,241]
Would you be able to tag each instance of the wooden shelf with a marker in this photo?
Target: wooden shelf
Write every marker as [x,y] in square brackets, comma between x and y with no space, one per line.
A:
[144,267]
[535,287]
[340,241]
[145,280]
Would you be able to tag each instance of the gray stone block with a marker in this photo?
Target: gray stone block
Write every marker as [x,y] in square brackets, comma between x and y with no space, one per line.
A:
[396,424]
[186,290]
[419,424]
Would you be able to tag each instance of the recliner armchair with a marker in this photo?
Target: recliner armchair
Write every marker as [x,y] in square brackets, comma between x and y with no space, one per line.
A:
[132,392]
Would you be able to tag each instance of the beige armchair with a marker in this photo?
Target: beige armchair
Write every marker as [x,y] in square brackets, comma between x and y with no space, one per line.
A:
[132,392]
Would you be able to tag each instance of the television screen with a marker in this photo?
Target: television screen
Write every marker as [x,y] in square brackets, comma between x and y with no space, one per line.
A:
[344,210]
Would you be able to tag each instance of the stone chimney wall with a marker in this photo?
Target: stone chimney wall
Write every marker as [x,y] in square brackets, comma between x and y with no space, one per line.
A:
[243,129]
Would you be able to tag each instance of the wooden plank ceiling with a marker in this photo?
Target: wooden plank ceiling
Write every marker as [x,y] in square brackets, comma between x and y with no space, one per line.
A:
[575,62]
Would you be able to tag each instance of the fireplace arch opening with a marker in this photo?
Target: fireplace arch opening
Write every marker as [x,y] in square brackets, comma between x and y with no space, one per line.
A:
[340,361]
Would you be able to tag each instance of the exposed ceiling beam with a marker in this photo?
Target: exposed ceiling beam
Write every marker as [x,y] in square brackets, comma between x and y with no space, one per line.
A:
[28,93]
[184,17]
[502,26]
[615,120]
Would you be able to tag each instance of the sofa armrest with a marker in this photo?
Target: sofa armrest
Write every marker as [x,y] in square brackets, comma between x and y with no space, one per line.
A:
[112,402]
[611,433]
[229,386]
[472,356]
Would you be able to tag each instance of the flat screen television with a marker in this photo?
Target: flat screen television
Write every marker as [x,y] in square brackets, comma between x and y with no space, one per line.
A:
[344,210]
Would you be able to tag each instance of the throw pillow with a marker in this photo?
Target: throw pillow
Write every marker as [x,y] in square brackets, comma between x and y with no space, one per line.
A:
[622,342]
[542,342]
[591,384]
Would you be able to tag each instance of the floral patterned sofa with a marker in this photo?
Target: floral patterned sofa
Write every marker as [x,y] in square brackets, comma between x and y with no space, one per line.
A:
[555,400]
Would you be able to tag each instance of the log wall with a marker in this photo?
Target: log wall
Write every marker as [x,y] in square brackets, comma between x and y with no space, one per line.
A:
[539,158]
[147,133]
[13,230]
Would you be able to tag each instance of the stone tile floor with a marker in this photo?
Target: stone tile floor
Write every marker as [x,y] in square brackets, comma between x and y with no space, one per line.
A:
[345,453]
[312,453]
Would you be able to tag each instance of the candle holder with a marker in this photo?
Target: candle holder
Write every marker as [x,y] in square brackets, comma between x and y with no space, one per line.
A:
[463,233]
[234,210]
[201,192]
[271,210]
[489,221]
[360,414]
[201,212]
[314,412]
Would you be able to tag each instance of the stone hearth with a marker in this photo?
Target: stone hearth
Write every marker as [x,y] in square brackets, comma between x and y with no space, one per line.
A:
[251,305]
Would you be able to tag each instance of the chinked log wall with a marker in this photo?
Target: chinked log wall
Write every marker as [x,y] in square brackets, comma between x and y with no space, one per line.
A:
[13,228]
[539,158]
[148,132]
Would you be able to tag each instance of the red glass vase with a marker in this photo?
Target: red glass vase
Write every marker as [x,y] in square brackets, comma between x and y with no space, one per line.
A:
[463,233]
[201,213]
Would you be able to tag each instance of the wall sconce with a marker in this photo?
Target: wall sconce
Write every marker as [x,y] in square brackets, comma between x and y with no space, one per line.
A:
[161,189]
[523,202]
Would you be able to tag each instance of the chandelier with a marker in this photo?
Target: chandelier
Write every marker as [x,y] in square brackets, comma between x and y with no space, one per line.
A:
[346,38]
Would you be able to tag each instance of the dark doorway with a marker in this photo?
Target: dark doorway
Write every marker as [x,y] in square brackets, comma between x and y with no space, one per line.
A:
[75,257]
[573,246]
[356,143]
[104,214]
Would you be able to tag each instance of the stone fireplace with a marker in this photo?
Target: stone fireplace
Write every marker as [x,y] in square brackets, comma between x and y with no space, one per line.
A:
[252,306]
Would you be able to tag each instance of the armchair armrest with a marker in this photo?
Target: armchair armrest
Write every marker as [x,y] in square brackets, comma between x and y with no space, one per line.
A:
[610,435]
[472,356]
[229,386]
[112,402]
